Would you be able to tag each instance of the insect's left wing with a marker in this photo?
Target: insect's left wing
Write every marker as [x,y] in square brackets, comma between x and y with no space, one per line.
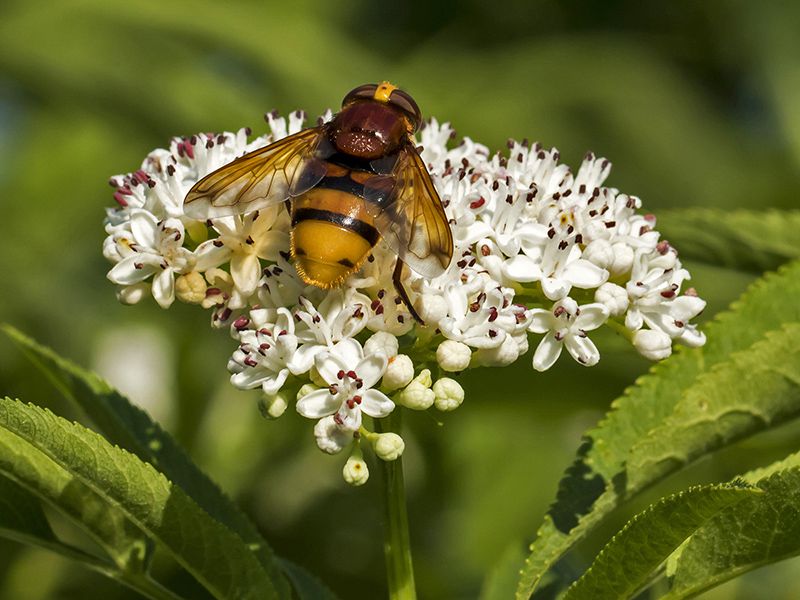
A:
[261,178]
[409,215]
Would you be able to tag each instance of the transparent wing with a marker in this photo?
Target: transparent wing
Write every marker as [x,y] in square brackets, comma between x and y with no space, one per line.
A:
[259,179]
[409,215]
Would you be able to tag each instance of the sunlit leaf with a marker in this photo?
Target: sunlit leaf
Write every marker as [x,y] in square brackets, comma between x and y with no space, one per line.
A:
[601,477]
[758,531]
[44,448]
[626,562]
[131,428]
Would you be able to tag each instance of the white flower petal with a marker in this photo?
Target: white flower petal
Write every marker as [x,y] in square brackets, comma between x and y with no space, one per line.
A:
[592,316]
[583,274]
[547,352]
[318,404]
[274,382]
[328,365]
[246,271]
[125,272]
[372,368]
[522,269]
[164,288]
[541,320]
[144,226]
[582,349]
[555,289]
[376,404]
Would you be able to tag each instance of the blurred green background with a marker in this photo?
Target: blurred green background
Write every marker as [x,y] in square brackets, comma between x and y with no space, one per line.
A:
[697,104]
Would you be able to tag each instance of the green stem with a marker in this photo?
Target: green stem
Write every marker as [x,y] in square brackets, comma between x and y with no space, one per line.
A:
[396,545]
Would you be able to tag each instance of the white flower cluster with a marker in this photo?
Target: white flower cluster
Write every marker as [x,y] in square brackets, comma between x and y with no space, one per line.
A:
[538,250]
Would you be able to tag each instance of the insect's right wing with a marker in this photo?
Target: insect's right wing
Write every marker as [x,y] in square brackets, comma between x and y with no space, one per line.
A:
[409,215]
[261,178]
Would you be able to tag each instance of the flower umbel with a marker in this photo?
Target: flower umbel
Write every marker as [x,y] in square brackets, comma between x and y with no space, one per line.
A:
[539,250]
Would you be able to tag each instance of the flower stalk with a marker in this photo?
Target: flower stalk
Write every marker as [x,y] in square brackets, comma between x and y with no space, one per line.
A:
[396,541]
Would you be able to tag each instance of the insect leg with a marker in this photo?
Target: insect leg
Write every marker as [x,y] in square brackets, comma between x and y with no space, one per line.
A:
[398,285]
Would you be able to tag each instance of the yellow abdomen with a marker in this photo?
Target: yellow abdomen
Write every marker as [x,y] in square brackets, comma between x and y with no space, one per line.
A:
[332,234]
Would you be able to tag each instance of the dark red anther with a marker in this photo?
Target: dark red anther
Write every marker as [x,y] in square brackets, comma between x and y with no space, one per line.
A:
[381,294]
[662,247]
[357,399]
[241,323]
[264,346]
[340,374]
[560,310]
[337,419]
[375,304]
[250,361]
[477,203]
[485,250]
[668,294]
[492,333]
[352,375]
[492,314]
[475,307]
[225,314]
[218,243]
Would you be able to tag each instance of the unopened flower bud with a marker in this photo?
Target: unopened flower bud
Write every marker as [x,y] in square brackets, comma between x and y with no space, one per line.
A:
[449,394]
[306,389]
[316,378]
[133,294]
[499,356]
[197,231]
[600,253]
[272,406]
[355,471]
[453,356]
[381,342]
[417,395]
[431,308]
[388,446]
[399,373]
[652,344]
[623,259]
[613,297]
[190,288]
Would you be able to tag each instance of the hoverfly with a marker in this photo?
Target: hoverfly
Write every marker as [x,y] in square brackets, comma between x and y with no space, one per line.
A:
[347,183]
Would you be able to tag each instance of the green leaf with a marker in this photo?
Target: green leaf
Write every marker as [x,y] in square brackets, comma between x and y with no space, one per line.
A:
[755,389]
[501,580]
[131,428]
[109,527]
[624,565]
[758,531]
[214,555]
[21,512]
[600,478]
[306,585]
[740,239]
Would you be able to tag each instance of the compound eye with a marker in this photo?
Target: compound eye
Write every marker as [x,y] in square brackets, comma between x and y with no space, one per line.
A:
[405,102]
[362,92]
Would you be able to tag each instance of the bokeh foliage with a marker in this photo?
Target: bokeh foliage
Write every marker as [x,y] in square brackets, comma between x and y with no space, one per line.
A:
[697,104]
